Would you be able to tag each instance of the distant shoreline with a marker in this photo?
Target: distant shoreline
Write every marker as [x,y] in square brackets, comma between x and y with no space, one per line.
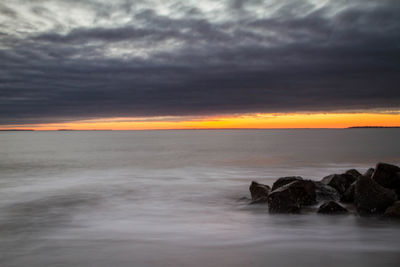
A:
[368,127]
[17,130]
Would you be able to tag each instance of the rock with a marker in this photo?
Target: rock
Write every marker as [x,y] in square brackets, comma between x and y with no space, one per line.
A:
[259,192]
[397,191]
[369,172]
[348,195]
[353,172]
[325,192]
[339,181]
[291,197]
[331,207]
[372,198]
[285,207]
[387,175]
[285,180]
[393,211]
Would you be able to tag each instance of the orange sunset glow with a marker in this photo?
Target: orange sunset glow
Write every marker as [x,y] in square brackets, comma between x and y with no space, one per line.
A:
[254,121]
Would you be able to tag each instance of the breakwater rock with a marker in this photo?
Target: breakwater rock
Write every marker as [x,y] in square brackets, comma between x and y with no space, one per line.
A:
[369,194]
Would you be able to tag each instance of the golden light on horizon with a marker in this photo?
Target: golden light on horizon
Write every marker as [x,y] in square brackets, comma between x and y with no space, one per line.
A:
[257,121]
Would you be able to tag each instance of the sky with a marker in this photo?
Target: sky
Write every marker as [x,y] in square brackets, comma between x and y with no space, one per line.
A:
[162,64]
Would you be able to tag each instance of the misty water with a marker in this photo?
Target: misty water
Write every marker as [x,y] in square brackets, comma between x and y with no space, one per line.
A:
[180,198]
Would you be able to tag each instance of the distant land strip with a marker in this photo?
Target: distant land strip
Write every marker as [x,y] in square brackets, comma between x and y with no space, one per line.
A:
[356,127]
[16,130]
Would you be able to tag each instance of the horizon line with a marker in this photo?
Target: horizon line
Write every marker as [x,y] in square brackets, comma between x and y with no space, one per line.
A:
[189,129]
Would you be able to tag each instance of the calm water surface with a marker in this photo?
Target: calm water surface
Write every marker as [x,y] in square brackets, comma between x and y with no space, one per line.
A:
[176,198]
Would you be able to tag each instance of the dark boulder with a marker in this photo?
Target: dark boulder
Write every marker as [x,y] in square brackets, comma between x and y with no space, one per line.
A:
[397,191]
[372,198]
[348,195]
[259,192]
[285,180]
[339,181]
[291,197]
[331,207]
[369,172]
[393,211]
[353,172]
[387,175]
[325,192]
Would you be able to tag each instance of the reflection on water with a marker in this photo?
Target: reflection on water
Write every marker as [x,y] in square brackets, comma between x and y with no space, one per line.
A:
[178,198]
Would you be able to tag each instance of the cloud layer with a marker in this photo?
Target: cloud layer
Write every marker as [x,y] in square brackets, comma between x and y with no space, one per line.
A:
[69,60]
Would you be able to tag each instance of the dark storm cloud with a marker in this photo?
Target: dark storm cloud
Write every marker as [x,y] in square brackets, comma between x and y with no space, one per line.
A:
[298,57]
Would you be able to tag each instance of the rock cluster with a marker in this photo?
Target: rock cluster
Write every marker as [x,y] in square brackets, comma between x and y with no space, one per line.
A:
[372,193]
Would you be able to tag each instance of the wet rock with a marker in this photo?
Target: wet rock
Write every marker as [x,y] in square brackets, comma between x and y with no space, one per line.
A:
[397,191]
[291,197]
[325,192]
[339,181]
[259,192]
[369,172]
[348,195]
[393,211]
[331,207]
[353,172]
[372,198]
[285,180]
[387,175]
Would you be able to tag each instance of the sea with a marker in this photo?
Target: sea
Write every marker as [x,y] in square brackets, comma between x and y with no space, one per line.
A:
[181,198]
